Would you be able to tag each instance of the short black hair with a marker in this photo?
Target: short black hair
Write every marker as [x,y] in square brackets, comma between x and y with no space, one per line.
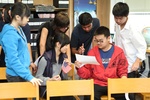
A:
[120,9]
[102,30]
[85,18]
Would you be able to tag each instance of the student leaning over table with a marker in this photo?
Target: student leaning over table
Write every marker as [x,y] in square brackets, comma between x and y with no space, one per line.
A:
[113,64]
[59,24]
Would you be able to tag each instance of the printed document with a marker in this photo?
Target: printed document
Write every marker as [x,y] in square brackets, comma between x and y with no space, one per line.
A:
[84,59]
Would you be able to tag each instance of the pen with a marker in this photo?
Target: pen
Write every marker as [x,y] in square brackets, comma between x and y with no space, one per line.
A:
[82,48]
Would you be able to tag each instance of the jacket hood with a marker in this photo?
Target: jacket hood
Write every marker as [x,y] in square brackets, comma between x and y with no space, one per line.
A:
[6,28]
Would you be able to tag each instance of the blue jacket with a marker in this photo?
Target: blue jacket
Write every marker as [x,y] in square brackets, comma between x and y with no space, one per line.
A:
[17,55]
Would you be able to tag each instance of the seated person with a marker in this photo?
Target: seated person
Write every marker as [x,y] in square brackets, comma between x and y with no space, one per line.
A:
[113,64]
[50,63]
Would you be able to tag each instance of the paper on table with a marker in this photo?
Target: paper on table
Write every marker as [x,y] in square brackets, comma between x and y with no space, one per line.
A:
[86,59]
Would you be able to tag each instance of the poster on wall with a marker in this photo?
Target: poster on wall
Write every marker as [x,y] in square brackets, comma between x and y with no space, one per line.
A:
[81,6]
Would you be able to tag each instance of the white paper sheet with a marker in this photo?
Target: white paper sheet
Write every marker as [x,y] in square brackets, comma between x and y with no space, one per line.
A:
[86,59]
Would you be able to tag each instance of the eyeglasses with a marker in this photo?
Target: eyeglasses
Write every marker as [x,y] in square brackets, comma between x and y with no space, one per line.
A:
[98,41]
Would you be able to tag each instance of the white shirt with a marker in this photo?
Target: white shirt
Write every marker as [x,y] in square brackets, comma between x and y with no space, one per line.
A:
[131,40]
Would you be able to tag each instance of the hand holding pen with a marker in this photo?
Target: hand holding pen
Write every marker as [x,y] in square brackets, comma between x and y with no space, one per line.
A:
[81,49]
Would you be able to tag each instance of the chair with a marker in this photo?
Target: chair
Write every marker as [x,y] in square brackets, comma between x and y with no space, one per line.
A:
[18,90]
[128,85]
[71,72]
[2,73]
[70,88]
[105,97]
[70,77]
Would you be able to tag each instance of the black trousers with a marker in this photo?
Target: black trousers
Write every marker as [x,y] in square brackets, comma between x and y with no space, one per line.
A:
[99,91]
[132,75]
[16,79]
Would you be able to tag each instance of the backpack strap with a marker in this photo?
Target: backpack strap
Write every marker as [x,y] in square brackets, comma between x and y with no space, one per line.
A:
[47,55]
[49,69]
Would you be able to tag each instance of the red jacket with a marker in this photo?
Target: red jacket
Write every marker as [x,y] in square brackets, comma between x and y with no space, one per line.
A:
[116,68]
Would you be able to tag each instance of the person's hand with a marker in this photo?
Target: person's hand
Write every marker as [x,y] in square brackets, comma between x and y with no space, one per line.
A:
[34,68]
[81,49]
[36,81]
[55,78]
[136,65]
[67,61]
[77,64]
